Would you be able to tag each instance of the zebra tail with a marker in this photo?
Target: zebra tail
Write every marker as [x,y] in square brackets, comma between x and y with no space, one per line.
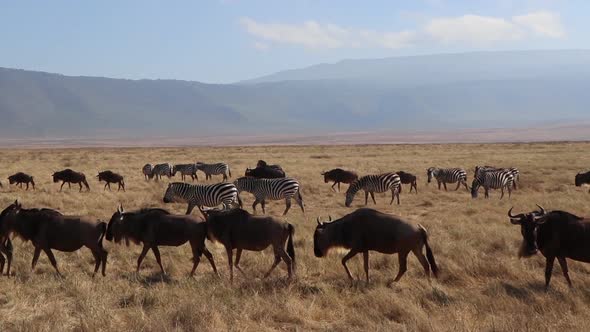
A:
[229,171]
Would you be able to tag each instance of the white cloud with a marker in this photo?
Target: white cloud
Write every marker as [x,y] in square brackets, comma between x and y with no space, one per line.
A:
[542,23]
[470,29]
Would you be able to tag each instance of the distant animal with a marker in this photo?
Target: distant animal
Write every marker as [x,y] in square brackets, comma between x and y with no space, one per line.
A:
[265,172]
[448,175]
[238,229]
[214,169]
[367,229]
[199,196]
[513,170]
[186,169]
[582,178]
[557,234]
[372,184]
[161,170]
[492,180]
[408,178]
[338,175]
[270,189]
[48,229]
[262,163]
[157,227]
[20,178]
[111,177]
[147,171]
[69,176]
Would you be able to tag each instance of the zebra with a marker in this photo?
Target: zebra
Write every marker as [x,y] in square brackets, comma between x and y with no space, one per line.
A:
[214,169]
[186,169]
[448,175]
[372,184]
[147,171]
[271,189]
[160,170]
[200,195]
[515,172]
[498,179]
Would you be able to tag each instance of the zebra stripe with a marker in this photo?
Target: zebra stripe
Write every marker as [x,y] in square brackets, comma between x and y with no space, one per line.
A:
[271,189]
[513,170]
[448,175]
[211,195]
[214,169]
[185,169]
[147,171]
[372,184]
[161,170]
[492,180]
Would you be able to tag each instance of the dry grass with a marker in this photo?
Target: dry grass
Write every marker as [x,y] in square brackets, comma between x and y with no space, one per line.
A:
[483,285]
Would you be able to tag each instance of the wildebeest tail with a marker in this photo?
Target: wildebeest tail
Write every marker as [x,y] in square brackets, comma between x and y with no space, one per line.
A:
[290,248]
[429,255]
[103,231]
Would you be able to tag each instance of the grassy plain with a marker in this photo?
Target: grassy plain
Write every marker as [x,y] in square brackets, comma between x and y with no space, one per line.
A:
[483,286]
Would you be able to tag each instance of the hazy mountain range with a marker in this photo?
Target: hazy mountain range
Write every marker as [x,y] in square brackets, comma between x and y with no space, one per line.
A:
[422,93]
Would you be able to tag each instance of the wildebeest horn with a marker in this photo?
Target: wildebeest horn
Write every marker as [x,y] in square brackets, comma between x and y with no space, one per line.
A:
[319,222]
[510,213]
[514,219]
[329,218]
[543,212]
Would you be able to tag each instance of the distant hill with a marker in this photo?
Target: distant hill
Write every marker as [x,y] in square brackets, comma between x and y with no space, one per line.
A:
[456,91]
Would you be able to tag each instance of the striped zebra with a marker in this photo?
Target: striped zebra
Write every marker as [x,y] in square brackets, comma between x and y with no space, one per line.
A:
[448,175]
[270,189]
[147,171]
[161,170]
[515,172]
[214,169]
[492,180]
[185,169]
[372,184]
[199,195]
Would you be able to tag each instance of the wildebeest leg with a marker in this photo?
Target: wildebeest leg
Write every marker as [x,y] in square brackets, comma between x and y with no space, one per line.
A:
[563,264]
[256,201]
[35,258]
[97,261]
[2,262]
[49,254]
[418,253]
[438,184]
[403,265]
[230,253]
[548,270]
[237,262]
[338,186]
[281,253]
[366,264]
[207,254]
[142,256]
[366,197]
[348,256]
[62,186]
[288,205]
[80,183]
[333,186]
[105,186]
[373,197]
[158,259]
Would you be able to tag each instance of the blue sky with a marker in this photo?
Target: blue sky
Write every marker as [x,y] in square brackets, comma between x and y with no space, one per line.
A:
[222,41]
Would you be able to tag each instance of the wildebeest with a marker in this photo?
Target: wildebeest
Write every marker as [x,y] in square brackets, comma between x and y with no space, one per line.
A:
[147,171]
[20,178]
[408,178]
[111,177]
[157,227]
[338,175]
[557,234]
[367,229]
[262,163]
[69,176]
[238,229]
[582,178]
[265,171]
[49,229]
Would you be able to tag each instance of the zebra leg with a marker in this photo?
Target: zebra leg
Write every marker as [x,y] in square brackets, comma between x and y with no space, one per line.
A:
[288,204]
[487,192]
[465,184]
[458,185]
[263,204]
[502,190]
[299,201]
[392,196]
[438,184]
[373,197]
[190,208]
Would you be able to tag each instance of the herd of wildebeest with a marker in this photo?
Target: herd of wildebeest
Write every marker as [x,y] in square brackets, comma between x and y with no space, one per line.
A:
[556,234]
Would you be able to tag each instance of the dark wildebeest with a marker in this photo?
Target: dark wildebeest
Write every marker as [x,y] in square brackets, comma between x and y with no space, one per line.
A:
[111,177]
[262,163]
[582,178]
[20,178]
[557,234]
[238,229]
[48,229]
[338,175]
[265,171]
[157,227]
[69,176]
[367,229]
[408,178]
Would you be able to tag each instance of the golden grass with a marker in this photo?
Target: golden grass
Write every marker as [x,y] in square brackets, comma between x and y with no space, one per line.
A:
[483,285]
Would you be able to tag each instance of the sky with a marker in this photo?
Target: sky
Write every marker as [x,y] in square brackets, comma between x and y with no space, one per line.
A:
[224,41]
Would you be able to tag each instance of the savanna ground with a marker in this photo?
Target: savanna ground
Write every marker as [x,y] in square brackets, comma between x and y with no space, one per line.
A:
[483,285]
